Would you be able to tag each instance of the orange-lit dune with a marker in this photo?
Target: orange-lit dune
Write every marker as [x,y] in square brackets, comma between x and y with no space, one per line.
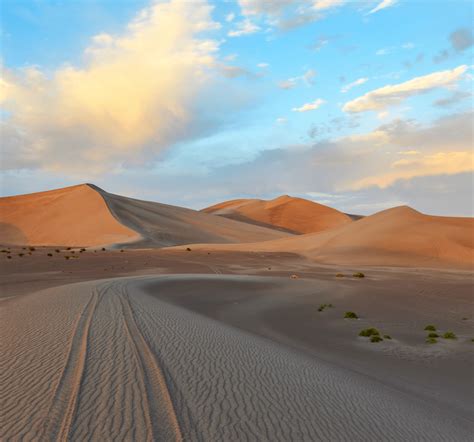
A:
[85,215]
[294,214]
[72,216]
[400,236]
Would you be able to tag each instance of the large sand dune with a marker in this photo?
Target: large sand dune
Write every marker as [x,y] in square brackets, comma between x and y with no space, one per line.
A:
[121,365]
[293,214]
[400,236]
[85,215]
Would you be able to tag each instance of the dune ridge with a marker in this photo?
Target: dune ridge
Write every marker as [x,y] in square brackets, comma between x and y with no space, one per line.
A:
[296,215]
[85,215]
[400,236]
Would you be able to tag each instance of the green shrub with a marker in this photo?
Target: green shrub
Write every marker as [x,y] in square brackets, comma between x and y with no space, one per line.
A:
[387,337]
[433,335]
[431,340]
[350,315]
[324,306]
[340,275]
[358,275]
[449,335]
[376,338]
[367,332]
[430,328]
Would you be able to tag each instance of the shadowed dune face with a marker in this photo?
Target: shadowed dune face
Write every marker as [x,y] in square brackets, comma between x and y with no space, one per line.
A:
[294,214]
[73,216]
[85,215]
[400,237]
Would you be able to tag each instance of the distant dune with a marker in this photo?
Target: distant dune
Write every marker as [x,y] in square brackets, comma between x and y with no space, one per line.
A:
[400,236]
[85,215]
[293,214]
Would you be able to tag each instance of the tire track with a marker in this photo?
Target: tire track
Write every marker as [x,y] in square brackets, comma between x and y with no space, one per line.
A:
[60,415]
[161,413]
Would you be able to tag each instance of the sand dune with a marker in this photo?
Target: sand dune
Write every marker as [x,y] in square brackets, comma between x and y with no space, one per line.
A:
[122,365]
[293,214]
[400,236]
[85,215]
[72,216]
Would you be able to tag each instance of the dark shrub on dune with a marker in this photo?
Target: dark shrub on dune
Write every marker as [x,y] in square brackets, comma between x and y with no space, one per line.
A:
[350,315]
[358,275]
[431,340]
[449,335]
[367,332]
[376,338]
[430,328]
[433,335]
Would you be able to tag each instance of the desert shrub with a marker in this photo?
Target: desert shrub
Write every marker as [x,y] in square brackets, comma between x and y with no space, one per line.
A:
[350,315]
[339,275]
[29,253]
[188,249]
[121,250]
[449,335]
[103,249]
[58,251]
[387,337]
[430,328]
[67,257]
[376,338]
[464,319]
[367,332]
[69,248]
[324,306]
[431,340]
[21,254]
[472,340]
[4,251]
[32,249]
[294,276]
[358,275]
[82,250]
[433,335]
[9,257]
[73,251]
[50,254]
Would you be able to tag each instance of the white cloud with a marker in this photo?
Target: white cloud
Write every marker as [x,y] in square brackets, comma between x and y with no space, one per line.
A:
[355,83]
[281,120]
[307,78]
[309,106]
[263,65]
[244,27]
[230,17]
[136,94]
[327,4]
[382,5]
[380,99]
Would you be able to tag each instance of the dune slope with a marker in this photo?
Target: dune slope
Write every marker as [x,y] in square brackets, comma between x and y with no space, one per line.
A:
[293,214]
[85,215]
[72,216]
[399,236]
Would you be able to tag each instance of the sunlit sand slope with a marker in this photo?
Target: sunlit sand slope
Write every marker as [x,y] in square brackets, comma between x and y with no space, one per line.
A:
[294,214]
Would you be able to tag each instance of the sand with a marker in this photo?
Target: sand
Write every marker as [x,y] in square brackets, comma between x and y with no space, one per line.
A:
[86,216]
[73,216]
[121,364]
[295,215]
[395,237]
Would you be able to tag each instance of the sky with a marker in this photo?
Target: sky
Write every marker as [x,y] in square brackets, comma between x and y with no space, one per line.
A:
[358,105]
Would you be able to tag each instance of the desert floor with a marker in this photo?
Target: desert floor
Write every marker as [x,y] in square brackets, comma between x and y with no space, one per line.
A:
[192,345]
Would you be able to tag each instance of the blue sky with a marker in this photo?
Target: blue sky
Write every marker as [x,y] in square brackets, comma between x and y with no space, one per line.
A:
[359,105]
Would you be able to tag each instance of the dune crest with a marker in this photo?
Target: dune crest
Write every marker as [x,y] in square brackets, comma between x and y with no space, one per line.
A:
[400,236]
[85,215]
[294,214]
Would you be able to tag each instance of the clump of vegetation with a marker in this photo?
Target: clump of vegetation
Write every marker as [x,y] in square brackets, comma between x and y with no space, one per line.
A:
[188,249]
[433,335]
[324,306]
[5,251]
[9,257]
[69,248]
[121,250]
[431,340]
[31,249]
[103,249]
[367,332]
[73,251]
[58,251]
[350,315]
[358,275]
[67,257]
[430,327]
[449,335]
[464,319]
[339,275]
[50,254]
[387,337]
[376,338]
[21,254]
[294,276]
[82,250]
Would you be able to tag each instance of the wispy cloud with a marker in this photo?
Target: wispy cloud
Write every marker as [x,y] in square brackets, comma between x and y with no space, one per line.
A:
[380,99]
[307,78]
[244,27]
[383,5]
[309,106]
[355,83]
